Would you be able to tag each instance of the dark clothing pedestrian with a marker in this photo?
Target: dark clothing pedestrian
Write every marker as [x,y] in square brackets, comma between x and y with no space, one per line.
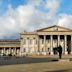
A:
[60,51]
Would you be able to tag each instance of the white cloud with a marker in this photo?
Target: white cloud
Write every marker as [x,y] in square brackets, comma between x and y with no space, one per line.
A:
[28,17]
[65,20]
[52,4]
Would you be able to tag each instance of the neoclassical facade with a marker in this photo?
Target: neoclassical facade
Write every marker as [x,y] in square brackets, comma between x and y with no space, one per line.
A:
[44,41]
[40,42]
[9,47]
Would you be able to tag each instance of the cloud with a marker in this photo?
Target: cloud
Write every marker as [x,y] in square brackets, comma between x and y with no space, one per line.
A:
[15,20]
[35,14]
[65,20]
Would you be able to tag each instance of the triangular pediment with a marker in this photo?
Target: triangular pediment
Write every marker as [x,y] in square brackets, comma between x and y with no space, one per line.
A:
[54,28]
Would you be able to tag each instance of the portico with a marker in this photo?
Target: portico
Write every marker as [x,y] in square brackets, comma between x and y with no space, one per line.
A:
[47,39]
[52,41]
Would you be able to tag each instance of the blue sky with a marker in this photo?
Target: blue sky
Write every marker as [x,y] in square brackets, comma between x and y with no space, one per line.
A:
[19,15]
[65,5]
[14,3]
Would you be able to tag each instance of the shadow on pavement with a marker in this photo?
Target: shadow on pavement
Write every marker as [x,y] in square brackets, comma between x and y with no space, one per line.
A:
[59,71]
[25,60]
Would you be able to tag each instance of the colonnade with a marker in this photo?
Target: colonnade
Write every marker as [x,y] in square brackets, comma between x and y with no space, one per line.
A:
[9,50]
[58,43]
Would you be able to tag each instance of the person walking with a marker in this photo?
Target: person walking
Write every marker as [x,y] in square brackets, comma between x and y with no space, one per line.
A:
[60,51]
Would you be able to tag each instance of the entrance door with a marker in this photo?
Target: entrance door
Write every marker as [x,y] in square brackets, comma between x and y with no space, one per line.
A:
[69,44]
[69,47]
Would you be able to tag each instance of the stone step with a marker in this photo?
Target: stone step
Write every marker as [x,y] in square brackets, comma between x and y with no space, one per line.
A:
[64,60]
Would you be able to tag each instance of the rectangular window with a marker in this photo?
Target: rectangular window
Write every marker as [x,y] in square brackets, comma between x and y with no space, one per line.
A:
[35,41]
[24,41]
[24,49]
[30,41]
[42,41]
[48,41]
[55,41]
[42,50]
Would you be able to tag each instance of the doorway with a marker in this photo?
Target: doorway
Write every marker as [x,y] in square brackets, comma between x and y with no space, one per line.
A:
[69,44]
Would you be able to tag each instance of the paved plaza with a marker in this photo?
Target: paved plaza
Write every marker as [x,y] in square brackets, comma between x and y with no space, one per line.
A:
[39,67]
[37,64]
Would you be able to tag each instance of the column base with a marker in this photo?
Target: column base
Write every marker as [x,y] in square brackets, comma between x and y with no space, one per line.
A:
[71,53]
[51,53]
[66,53]
[38,53]
[44,53]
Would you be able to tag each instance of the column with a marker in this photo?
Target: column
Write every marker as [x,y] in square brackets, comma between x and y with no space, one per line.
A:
[4,51]
[34,51]
[21,46]
[71,44]
[28,50]
[15,51]
[65,37]
[44,45]
[38,43]
[51,50]
[58,40]
[10,50]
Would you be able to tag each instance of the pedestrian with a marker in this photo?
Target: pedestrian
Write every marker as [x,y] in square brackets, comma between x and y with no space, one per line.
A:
[60,51]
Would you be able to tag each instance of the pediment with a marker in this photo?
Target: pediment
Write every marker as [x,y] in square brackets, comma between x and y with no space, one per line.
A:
[54,28]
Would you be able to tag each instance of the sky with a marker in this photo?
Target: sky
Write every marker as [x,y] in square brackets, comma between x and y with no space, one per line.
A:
[17,16]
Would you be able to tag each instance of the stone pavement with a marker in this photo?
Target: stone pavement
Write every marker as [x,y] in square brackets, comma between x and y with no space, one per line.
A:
[37,64]
[31,59]
[39,67]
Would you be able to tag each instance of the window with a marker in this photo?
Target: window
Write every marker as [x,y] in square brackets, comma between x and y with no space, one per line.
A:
[35,41]
[24,42]
[48,49]
[24,49]
[27,37]
[30,41]
[42,41]
[42,49]
[48,41]
[34,38]
[55,41]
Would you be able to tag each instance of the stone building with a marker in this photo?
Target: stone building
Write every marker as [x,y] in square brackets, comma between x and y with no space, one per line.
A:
[40,42]
[44,41]
[9,47]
